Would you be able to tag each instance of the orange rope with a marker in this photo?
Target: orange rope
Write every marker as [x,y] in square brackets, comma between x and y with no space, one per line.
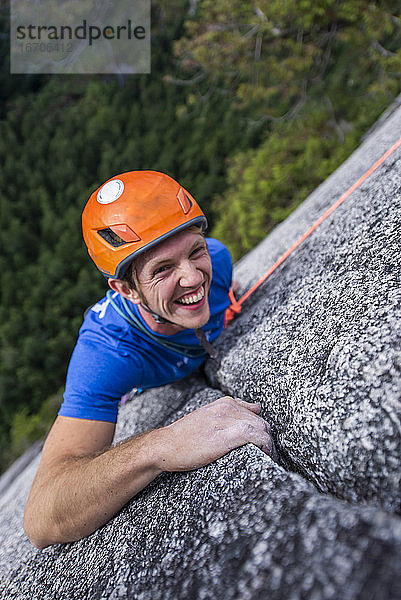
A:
[236,305]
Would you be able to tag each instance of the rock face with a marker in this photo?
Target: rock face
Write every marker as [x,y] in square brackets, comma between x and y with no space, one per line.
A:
[319,346]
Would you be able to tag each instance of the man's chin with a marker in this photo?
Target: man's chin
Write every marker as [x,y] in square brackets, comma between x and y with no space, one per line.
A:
[192,321]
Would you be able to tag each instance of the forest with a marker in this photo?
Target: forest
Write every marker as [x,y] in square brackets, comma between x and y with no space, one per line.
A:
[249,104]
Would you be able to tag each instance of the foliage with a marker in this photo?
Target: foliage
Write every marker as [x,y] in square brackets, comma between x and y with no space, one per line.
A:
[275,54]
[59,140]
[26,428]
[267,183]
[316,74]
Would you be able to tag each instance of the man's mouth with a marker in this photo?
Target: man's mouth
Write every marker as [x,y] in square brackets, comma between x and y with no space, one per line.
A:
[193,297]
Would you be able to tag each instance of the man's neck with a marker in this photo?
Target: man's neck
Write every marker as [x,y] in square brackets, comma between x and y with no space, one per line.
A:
[162,328]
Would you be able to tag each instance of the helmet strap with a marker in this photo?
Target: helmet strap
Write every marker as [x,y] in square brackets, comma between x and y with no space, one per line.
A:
[206,345]
[156,317]
[200,334]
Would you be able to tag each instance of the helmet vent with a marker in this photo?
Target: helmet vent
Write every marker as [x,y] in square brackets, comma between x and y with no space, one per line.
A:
[184,200]
[111,238]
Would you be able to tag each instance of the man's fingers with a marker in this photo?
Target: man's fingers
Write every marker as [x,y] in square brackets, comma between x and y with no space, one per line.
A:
[266,444]
[241,423]
[252,406]
[230,403]
[245,422]
[211,431]
[240,411]
[228,406]
[270,450]
[250,431]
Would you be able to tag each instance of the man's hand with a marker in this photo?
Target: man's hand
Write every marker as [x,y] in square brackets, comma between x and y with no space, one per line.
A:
[210,432]
[81,483]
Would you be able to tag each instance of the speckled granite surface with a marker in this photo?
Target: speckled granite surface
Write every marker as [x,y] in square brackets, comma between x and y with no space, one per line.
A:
[319,346]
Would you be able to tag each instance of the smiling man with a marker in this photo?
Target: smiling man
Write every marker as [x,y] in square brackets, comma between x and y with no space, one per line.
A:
[162,285]
[169,291]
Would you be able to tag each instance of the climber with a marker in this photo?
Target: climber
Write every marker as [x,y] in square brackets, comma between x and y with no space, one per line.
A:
[168,294]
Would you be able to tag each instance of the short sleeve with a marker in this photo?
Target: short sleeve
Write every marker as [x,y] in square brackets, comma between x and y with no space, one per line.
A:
[98,376]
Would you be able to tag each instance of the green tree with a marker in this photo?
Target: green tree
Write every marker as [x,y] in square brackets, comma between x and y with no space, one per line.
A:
[57,144]
[314,74]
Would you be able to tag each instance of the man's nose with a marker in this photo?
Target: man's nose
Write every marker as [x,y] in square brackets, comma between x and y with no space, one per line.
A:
[190,276]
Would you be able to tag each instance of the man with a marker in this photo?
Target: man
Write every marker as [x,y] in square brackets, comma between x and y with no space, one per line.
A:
[167,299]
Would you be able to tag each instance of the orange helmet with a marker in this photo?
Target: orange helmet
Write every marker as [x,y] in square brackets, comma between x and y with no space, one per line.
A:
[133,212]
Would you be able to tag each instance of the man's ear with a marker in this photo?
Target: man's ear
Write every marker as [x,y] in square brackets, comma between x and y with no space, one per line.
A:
[122,287]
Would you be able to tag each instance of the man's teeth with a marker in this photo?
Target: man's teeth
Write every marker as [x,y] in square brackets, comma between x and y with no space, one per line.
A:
[192,299]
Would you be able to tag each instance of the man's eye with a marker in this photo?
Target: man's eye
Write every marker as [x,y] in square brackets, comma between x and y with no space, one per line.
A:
[198,251]
[161,270]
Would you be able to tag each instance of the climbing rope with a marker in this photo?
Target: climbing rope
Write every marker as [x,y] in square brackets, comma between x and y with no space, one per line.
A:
[236,305]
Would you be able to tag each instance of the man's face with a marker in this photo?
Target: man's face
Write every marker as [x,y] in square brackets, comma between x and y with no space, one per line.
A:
[175,277]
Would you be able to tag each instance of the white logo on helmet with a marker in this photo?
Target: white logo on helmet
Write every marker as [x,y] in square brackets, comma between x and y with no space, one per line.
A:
[110,192]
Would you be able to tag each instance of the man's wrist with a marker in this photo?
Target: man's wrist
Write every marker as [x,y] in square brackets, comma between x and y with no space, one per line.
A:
[151,453]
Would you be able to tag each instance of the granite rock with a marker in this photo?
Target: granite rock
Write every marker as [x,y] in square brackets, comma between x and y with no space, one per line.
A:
[241,528]
[319,342]
[318,345]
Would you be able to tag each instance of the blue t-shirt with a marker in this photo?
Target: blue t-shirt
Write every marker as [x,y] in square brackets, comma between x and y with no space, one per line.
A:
[112,357]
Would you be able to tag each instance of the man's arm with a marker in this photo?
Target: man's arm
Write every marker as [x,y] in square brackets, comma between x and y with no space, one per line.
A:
[82,482]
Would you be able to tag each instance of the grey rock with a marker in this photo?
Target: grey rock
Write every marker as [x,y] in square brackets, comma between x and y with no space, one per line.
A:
[318,345]
[240,528]
[19,466]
